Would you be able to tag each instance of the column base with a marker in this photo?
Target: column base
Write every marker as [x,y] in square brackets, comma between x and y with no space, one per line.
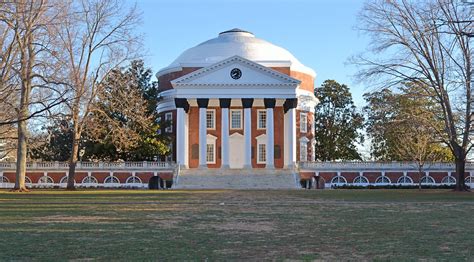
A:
[225,167]
[202,167]
[183,166]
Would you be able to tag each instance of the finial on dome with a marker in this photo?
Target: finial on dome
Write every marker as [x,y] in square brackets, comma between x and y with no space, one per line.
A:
[235,30]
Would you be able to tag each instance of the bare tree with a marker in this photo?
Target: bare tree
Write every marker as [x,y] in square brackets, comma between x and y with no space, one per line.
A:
[25,80]
[423,42]
[96,37]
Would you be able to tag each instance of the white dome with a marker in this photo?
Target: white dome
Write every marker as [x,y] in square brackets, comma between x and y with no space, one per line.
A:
[241,43]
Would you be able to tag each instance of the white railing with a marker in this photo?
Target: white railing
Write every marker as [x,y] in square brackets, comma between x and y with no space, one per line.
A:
[378,166]
[144,165]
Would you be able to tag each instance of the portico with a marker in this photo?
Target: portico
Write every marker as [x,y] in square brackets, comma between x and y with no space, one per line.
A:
[254,154]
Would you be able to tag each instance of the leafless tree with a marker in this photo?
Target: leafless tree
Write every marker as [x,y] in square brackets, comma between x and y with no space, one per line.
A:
[96,37]
[423,42]
[27,76]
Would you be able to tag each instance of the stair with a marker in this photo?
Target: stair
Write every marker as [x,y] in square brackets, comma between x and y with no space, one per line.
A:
[236,179]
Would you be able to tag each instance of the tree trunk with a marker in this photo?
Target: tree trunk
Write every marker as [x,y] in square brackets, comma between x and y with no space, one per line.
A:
[460,169]
[73,162]
[21,158]
[22,130]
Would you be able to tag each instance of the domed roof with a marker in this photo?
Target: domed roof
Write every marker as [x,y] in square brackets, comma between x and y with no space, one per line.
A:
[238,42]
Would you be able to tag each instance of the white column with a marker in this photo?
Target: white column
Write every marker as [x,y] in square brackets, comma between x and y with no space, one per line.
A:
[225,137]
[180,137]
[292,137]
[248,137]
[186,141]
[270,139]
[202,137]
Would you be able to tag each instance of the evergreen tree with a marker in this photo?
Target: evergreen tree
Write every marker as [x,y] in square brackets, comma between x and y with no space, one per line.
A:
[337,123]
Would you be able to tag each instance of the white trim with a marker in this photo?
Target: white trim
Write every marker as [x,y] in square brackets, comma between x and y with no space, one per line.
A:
[231,119]
[258,119]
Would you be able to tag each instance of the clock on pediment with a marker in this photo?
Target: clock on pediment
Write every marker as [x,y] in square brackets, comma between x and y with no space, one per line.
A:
[235,73]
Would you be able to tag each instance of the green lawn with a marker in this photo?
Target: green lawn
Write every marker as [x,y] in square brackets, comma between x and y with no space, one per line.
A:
[230,225]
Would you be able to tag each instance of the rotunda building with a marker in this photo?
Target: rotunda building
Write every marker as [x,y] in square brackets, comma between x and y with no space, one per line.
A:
[237,101]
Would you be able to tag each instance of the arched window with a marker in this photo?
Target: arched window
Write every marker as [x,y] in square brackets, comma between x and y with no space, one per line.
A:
[133,180]
[63,181]
[405,180]
[382,180]
[427,180]
[28,181]
[448,180]
[89,181]
[45,180]
[360,180]
[111,180]
[469,180]
[339,180]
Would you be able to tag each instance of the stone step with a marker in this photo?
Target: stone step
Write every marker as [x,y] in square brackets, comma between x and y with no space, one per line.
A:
[236,179]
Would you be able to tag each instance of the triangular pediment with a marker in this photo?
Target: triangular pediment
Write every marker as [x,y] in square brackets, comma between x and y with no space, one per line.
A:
[248,72]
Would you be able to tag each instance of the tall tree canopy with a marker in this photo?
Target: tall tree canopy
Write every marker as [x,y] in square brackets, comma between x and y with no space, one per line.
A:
[428,43]
[337,123]
[123,122]
[402,127]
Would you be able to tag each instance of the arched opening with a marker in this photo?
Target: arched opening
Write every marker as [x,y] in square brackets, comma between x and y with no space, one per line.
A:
[382,180]
[338,181]
[448,180]
[360,181]
[405,180]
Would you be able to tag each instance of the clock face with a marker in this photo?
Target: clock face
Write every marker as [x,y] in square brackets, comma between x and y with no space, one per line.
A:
[235,73]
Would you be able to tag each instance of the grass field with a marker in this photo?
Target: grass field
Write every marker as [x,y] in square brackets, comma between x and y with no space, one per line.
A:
[232,225]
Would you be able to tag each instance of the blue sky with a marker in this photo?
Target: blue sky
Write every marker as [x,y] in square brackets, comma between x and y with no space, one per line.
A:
[320,33]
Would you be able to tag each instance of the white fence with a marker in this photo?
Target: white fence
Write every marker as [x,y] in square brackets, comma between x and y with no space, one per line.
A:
[379,166]
[95,166]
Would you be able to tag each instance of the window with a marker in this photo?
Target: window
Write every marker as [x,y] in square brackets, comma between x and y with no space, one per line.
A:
[339,180]
[262,119]
[303,151]
[133,180]
[236,119]
[169,122]
[261,154]
[382,180]
[427,180]
[111,180]
[360,180]
[45,180]
[405,180]
[211,119]
[210,154]
[89,180]
[448,180]
[303,123]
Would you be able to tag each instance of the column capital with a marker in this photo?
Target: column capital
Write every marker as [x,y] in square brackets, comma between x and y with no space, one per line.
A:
[182,103]
[225,102]
[203,102]
[269,102]
[247,102]
[290,103]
